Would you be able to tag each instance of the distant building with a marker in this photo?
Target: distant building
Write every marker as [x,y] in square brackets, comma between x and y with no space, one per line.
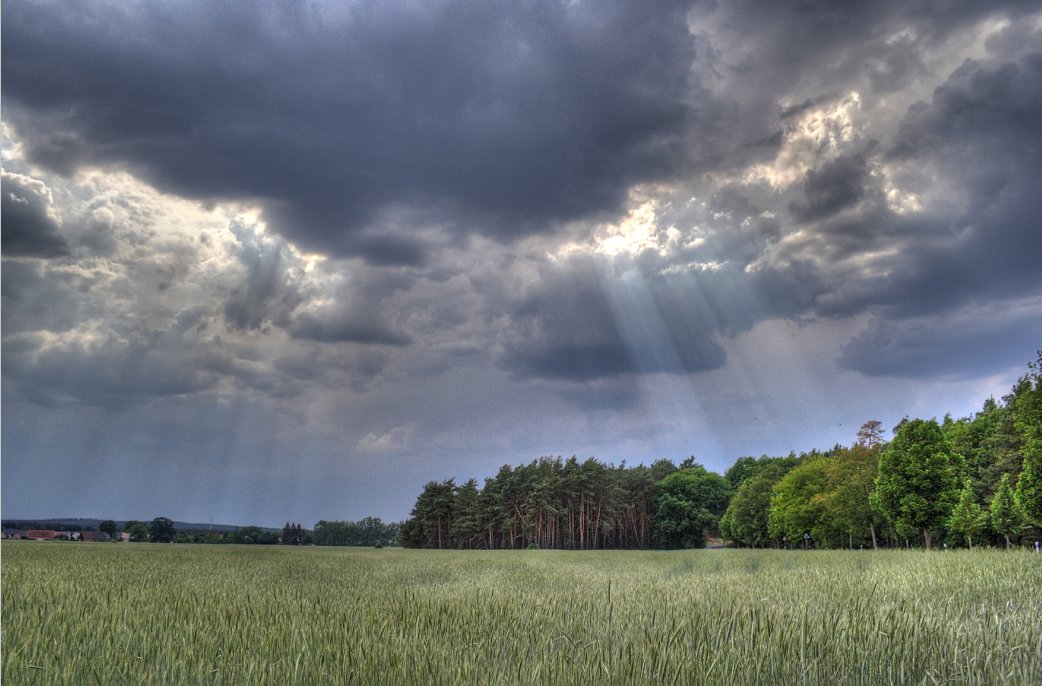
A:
[13,533]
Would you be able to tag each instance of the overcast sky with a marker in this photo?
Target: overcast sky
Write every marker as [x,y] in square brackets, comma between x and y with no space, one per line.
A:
[268,262]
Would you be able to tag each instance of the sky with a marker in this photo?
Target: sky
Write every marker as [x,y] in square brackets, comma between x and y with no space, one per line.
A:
[290,261]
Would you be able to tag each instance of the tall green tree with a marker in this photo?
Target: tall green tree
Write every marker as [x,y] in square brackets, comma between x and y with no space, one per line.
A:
[292,534]
[917,483]
[138,531]
[798,502]
[1006,517]
[161,530]
[967,518]
[745,520]
[466,516]
[848,504]
[430,525]
[108,526]
[689,504]
[1027,411]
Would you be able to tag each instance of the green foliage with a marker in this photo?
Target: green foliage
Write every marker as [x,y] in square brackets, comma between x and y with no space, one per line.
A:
[370,531]
[161,530]
[797,503]
[138,531]
[916,486]
[848,503]
[1027,411]
[688,505]
[108,526]
[967,518]
[1029,492]
[292,534]
[747,467]
[254,535]
[552,502]
[266,615]
[745,521]
[1006,515]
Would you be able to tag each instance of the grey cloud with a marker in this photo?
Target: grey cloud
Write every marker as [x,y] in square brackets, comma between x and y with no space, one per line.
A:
[588,319]
[767,63]
[41,299]
[335,367]
[563,327]
[344,328]
[975,342]
[971,152]
[835,186]
[363,304]
[501,119]
[981,129]
[130,366]
[112,374]
[998,102]
[31,226]
[264,296]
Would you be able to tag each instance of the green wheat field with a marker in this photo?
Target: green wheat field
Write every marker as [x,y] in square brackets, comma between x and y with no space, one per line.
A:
[83,613]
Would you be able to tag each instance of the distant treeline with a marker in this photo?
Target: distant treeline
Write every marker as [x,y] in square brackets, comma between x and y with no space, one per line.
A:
[47,524]
[367,532]
[370,531]
[958,482]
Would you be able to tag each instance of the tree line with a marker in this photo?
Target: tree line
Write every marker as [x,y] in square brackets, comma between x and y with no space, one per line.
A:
[370,531]
[955,482]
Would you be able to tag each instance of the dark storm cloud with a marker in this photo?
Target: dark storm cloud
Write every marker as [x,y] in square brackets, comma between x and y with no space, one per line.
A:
[600,318]
[110,374]
[997,103]
[981,132]
[772,61]
[979,135]
[837,185]
[346,327]
[966,344]
[563,327]
[30,226]
[499,118]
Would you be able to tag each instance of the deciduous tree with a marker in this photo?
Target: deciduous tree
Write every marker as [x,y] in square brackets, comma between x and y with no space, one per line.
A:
[798,502]
[1006,517]
[161,530]
[967,518]
[689,504]
[917,484]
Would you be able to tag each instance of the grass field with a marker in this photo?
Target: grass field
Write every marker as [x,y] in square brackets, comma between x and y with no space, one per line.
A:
[83,613]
